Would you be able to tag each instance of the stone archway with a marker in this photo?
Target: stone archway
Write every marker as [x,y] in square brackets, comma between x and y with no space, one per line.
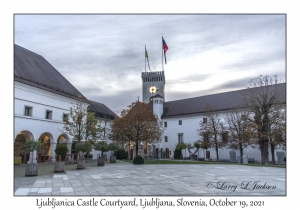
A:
[44,154]
[64,139]
[19,141]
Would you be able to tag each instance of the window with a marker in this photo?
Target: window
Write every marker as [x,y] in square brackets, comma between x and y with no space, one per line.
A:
[166,124]
[166,139]
[65,117]
[204,120]
[180,122]
[28,111]
[48,114]
[224,137]
[180,137]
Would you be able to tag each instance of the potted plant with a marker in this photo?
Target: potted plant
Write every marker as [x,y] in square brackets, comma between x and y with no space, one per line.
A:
[113,147]
[103,147]
[61,150]
[82,147]
[30,146]
[180,146]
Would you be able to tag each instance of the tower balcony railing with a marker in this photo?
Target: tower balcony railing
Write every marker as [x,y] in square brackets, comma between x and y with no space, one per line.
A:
[155,73]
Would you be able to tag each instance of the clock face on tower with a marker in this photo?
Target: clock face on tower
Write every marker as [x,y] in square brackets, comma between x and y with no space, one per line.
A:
[152,89]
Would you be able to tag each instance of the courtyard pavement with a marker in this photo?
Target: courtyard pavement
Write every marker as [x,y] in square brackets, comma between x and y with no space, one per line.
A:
[126,179]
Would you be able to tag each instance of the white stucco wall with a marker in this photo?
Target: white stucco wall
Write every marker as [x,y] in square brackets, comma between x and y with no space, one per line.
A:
[40,101]
[189,127]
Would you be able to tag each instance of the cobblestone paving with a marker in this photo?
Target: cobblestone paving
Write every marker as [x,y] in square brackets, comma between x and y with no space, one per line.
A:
[124,179]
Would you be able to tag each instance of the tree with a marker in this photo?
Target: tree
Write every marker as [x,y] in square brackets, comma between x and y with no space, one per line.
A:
[84,147]
[139,125]
[118,132]
[101,146]
[113,147]
[80,123]
[30,146]
[277,128]
[180,146]
[205,145]
[262,96]
[241,130]
[61,150]
[103,128]
[211,129]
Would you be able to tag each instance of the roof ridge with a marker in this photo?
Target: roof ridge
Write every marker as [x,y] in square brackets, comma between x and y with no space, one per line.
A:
[29,51]
[96,102]
[219,93]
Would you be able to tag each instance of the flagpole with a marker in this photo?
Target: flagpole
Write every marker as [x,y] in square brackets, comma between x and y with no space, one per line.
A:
[145,58]
[162,54]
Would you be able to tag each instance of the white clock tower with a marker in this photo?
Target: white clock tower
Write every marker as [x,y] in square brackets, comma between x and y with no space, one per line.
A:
[153,84]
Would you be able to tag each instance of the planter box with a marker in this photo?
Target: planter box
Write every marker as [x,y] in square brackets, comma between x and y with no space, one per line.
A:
[80,164]
[59,166]
[100,161]
[31,169]
[112,159]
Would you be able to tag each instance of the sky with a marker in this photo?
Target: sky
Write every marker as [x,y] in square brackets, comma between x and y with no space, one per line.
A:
[103,55]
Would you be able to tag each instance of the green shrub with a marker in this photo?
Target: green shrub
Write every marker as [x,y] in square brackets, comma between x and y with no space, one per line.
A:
[101,146]
[138,160]
[113,147]
[31,145]
[177,154]
[88,155]
[121,154]
[83,146]
[61,149]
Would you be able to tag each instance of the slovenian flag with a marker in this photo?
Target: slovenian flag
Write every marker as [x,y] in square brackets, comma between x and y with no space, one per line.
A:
[165,48]
[146,54]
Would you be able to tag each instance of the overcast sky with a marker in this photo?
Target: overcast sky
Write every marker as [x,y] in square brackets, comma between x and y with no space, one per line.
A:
[103,55]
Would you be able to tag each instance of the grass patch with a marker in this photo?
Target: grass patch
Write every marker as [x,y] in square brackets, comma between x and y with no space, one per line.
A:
[178,162]
[202,162]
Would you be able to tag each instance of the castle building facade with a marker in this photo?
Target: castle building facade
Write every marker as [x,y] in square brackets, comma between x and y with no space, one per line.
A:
[43,97]
[42,101]
[181,119]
